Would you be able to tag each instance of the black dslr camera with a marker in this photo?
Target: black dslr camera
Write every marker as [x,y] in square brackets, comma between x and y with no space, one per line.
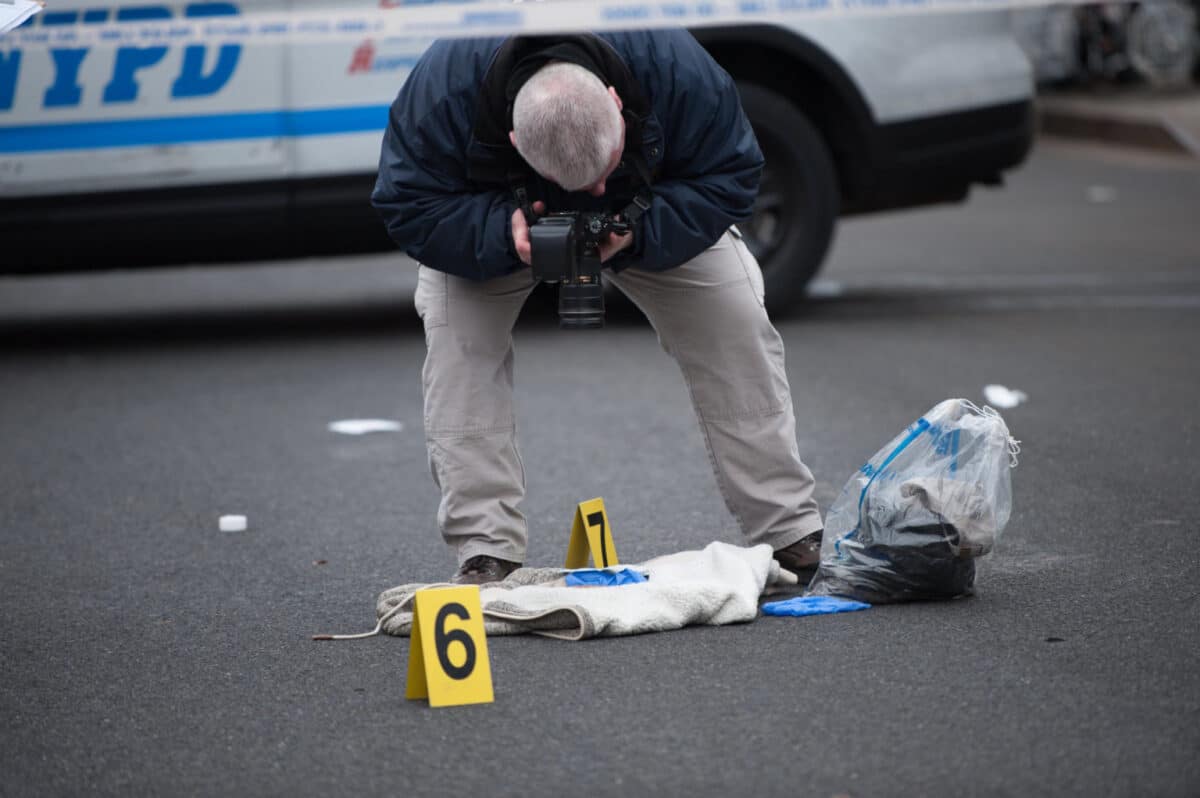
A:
[566,250]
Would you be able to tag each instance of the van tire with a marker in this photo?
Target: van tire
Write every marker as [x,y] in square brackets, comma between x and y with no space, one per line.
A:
[794,216]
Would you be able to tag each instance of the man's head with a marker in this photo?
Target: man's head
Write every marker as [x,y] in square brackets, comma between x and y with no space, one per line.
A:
[567,125]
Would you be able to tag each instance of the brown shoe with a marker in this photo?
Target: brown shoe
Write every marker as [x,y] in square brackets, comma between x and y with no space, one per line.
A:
[482,569]
[802,556]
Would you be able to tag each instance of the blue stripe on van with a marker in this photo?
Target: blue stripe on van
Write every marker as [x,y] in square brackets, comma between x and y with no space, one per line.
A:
[190,129]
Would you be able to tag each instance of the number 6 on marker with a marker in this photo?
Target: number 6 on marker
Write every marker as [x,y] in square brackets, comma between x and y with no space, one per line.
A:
[448,659]
[442,640]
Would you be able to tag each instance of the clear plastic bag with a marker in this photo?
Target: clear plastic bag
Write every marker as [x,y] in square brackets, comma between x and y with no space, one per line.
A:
[910,523]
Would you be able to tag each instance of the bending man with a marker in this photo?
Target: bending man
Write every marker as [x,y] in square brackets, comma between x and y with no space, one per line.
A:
[487,133]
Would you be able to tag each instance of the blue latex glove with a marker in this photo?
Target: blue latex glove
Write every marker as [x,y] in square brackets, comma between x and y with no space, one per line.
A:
[813,605]
[596,577]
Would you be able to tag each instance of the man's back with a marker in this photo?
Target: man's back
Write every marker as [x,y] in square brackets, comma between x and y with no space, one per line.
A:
[448,136]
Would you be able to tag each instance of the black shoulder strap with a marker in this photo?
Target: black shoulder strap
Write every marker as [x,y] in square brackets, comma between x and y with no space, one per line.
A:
[518,183]
[637,159]
[634,211]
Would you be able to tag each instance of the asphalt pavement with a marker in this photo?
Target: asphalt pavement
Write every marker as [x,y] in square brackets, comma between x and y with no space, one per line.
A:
[144,652]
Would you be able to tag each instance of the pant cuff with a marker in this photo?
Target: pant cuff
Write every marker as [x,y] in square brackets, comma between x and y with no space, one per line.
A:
[497,550]
[782,540]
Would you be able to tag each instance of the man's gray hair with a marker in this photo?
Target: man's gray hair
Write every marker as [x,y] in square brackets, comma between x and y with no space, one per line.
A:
[566,125]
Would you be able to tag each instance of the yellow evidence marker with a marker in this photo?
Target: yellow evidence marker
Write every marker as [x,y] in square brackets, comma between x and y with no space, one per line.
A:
[448,658]
[590,532]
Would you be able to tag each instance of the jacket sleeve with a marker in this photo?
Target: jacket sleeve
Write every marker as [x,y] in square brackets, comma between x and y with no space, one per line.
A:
[711,167]
[428,206]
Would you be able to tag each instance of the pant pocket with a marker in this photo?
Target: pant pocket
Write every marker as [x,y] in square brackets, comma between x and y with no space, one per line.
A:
[431,297]
[750,264]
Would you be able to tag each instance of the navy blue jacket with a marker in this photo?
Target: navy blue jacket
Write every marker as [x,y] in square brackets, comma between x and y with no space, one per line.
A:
[444,188]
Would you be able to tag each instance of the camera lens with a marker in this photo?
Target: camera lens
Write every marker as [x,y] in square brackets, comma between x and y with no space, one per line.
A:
[581,305]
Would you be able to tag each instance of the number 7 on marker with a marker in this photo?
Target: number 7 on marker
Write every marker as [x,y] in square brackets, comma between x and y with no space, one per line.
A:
[597,520]
[590,532]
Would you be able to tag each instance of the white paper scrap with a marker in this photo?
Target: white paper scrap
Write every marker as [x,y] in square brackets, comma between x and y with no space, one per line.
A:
[1002,397]
[14,13]
[825,289]
[361,426]
[232,523]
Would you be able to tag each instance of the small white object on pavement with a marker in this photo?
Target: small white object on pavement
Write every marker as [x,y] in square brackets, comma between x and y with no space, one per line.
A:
[233,523]
[825,289]
[1101,195]
[14,12]
[1002,397]
[361,426]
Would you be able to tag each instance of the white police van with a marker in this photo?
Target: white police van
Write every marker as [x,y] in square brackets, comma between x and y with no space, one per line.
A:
[114,157]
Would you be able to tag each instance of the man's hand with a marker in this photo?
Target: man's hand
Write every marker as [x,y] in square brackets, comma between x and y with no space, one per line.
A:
[614,244]
[520,233]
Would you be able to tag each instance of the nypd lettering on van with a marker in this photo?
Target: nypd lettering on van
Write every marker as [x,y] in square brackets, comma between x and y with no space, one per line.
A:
[113,117]
[197,74]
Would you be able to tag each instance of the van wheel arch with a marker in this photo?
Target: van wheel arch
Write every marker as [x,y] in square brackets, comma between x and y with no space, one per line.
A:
[796,68]
[816,132]
[791,226]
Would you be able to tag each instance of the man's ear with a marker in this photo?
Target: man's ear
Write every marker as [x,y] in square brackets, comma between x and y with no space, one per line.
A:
[616,98]
[512,137]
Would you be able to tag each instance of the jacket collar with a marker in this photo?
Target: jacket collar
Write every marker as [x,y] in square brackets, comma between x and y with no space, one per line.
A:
[491,156]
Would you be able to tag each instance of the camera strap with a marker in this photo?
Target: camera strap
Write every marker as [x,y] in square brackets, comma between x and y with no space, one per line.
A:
[516,181]
[632,213]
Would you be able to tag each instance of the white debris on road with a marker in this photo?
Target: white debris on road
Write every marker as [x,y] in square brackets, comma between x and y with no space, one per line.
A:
[362,426]
[1101,195]
[232,523]
[825,289]
[1002,397]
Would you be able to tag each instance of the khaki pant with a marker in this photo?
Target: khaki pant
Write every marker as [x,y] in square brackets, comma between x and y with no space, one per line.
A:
[709,317]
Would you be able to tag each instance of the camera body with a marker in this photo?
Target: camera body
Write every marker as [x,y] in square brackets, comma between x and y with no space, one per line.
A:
[566,250]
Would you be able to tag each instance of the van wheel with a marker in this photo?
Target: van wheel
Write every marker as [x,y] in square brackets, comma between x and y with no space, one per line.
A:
[793,219]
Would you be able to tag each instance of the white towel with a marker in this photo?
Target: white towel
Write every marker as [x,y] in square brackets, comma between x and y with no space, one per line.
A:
[718,585]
